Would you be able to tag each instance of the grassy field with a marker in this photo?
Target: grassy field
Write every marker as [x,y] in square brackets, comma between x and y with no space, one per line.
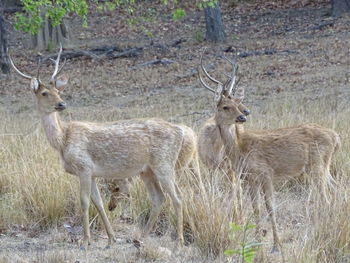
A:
[38,198]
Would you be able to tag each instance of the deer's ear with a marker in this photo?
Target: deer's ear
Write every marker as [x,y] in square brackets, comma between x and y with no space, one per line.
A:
[218,93]
[61,82]
[239,95]
[34,84]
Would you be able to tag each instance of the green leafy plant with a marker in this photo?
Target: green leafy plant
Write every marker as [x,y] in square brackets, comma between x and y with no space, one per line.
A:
[111,5]
[178,14]
[247,249]
[198,36]
[35,11]
[132,22]
[147,32]
[151,15]
[207,3]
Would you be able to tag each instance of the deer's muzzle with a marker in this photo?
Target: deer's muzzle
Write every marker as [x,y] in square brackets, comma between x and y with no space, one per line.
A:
[241,118]
[61,106]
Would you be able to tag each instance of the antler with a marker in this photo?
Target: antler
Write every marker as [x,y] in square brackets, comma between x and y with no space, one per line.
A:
[222,89]
[218,92]
[204,84]
[18,71]
[57,62]
[206,73]
[233,75]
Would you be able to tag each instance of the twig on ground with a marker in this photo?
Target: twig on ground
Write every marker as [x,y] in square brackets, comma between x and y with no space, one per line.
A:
[110,52]
[323,25]
[244,54]
[163,61]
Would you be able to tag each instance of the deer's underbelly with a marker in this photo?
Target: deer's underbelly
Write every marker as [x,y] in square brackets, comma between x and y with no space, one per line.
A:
[120,172]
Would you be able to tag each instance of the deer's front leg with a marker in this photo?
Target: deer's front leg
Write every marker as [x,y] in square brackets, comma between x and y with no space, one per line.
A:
[254,196]
[85,192]
[97,200]
[268,192]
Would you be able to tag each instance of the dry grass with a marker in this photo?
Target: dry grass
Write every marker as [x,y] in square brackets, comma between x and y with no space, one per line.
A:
[328,237]
[310,84]
[35,193]
[34,189]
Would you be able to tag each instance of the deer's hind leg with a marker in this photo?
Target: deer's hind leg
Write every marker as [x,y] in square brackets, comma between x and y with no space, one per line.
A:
[156,195]
[166,177]
[194,168]
[328,183]
[321,176]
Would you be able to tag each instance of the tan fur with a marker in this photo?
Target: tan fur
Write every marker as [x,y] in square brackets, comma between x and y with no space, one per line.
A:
[264,156]
[117,150]
[260,157]
[187,158]
[211,146]
[112,150]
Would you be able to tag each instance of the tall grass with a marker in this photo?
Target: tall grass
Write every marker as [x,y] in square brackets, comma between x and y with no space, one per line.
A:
[328,238]
[34,189]
[210,207]
[36,192]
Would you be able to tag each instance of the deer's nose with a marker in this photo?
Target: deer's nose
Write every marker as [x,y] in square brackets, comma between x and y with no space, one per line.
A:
[61,105]
[241,118]
[246,112]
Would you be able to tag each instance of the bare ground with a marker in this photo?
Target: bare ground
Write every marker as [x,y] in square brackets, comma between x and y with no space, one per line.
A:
[291,53]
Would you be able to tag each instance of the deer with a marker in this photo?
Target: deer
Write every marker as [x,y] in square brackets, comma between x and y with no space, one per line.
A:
[261,157]
[210,145]
[187,159]
[118,150]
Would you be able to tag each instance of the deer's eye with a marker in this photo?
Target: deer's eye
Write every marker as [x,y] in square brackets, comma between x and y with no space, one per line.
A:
[45,93]
[225,108]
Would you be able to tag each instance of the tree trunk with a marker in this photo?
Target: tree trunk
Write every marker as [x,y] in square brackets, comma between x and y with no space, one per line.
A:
[11,3]
[11,6]
[49,37]
[339,7]
[4,60]
[214,26]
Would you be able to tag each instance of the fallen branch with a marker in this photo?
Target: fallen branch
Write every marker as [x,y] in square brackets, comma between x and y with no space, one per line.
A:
[110,52]
[244,54]
[133,52]
[163,61]
[322,25]
[106,49]
[178,42]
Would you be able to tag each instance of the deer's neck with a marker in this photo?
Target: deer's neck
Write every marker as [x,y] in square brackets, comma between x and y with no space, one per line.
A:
[229,137]
[54,129]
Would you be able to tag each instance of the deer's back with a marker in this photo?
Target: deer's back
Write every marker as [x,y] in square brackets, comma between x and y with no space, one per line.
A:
[122,147]
[290,151]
